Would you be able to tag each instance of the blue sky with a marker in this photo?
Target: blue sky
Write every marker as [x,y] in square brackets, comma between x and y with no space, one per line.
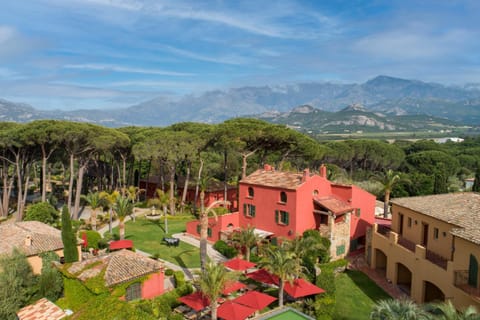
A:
[70,54]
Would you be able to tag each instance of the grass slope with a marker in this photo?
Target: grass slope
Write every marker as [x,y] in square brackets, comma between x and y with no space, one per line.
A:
[355,296]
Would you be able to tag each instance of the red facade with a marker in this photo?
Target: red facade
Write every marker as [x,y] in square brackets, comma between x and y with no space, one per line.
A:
[286,204]
[153,286]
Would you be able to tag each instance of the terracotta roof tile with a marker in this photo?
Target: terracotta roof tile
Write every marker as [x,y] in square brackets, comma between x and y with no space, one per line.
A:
[43,237]
[271,178]
[43,309]
[120,266]
[460,209]
[333,204]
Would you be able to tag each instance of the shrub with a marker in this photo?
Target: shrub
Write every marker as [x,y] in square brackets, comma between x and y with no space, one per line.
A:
[169,272]
[325,304]
[50,281]
[93,239]
[222,247]
[179,278]
[43,212]
[68,238]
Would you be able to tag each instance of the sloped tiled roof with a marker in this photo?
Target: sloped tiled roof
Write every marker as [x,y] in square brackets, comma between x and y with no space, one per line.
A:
[460,209]
[44,237]
[43,309]
[272,178]
[120,266]
[333,204]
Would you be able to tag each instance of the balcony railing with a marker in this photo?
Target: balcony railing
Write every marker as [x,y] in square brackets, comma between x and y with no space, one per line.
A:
[461,282]
[407,244]
[384,230]
[436,259]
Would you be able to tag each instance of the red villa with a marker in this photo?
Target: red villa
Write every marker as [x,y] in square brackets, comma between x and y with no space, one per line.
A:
[285,204]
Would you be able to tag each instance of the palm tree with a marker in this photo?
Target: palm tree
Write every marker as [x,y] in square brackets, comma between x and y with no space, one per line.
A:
[95,201]
[388,180]
[110,199]
[447,311]
[393,309]
[212,281]
[123,207]
[282,263]
[246,238]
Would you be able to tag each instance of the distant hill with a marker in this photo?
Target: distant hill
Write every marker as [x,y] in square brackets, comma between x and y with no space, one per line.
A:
[355,118]
[384,94]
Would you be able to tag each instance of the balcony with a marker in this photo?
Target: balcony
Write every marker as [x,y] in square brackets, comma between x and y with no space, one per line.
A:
[384,230]
[461,282]
[407,244]
[436,259]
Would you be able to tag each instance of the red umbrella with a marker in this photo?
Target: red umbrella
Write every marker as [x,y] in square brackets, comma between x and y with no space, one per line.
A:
[255,299]
[302,288]
[85,242]
[239,264]
[234,311]
[120,244]
[263,276]
[234,286]
[197,301]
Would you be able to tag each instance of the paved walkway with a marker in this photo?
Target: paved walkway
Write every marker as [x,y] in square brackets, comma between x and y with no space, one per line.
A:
[357,262]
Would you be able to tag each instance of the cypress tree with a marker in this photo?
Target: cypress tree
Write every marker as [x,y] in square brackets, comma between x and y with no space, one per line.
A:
[69,240]
[476,182]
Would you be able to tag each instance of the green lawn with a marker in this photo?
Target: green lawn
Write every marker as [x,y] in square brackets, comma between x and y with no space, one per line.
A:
[355,296]
[147,236]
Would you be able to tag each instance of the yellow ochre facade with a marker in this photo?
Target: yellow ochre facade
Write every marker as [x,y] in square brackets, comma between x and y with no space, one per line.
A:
[432,249]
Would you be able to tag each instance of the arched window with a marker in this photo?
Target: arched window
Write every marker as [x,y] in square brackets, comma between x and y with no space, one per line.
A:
[315,192]
[250,192]
[283,197]
[473,271]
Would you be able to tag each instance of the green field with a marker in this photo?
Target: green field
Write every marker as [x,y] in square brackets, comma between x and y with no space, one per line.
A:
[147,236]
[356,295]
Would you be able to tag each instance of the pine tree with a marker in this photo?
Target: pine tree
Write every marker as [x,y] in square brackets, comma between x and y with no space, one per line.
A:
[69,240]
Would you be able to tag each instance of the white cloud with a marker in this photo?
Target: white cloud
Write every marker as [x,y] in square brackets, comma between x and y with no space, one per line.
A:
[115,68]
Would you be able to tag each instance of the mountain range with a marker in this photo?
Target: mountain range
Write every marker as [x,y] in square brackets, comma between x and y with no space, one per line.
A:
[388,96]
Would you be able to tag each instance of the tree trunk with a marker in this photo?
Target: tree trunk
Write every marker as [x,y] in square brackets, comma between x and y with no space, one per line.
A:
[280,292]
[70,185]
[385,203]
[19,189]
[166,220]
[197,185]
[214,307]
[172,191]
[121,228]
[203,231]
[78,189]
[185,187]
[44,174]
[124,172]
[94,219]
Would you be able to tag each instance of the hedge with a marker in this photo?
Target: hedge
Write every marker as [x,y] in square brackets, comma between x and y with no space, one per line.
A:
[325,303]
[222,247]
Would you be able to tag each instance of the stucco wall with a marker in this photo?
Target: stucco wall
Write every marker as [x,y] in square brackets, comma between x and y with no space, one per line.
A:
[153,286]
[222,223]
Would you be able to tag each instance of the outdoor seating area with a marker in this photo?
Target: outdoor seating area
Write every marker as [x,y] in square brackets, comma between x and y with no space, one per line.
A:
[243,299]
[171,241]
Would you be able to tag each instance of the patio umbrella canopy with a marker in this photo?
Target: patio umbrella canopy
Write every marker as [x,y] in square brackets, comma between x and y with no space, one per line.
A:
[254,299]
[197,301]
[263,276]
[120,244]
[234,311]
[239,264]
[302,288]
[234,286]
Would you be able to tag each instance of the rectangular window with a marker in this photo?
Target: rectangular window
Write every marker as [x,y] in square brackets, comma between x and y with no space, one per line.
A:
[282,217]
[248,210]
[198,228]
[209,232]
[358,212]
[134,291]
[409,222]
[435,233]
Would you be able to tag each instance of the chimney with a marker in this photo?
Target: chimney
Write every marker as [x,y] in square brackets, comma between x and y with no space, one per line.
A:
[306,175]
[323,171]
[28,241]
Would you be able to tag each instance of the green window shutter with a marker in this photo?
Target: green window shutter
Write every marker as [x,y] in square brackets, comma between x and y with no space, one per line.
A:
[287,218]
[252,211]
[340,249]
[276,216]
[209,232]
[198,228]
[245,209]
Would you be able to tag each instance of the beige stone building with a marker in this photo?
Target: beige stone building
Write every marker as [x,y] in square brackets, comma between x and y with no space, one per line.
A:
[432,249]
[31,238]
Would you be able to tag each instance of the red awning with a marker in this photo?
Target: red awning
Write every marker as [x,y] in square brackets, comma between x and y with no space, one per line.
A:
[235,286]
[263,276]
[197,301]
[234,311]
[302,288]
[255,300]
[121,244]
[239,264]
